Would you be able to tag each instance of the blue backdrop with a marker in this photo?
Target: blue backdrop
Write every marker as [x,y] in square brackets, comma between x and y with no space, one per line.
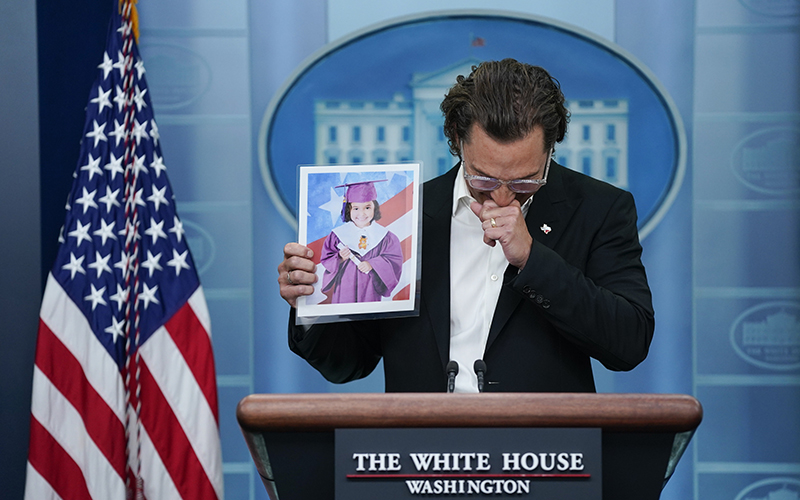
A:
[723,261]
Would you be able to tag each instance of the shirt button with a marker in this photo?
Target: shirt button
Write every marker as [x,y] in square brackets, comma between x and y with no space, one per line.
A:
[494,277]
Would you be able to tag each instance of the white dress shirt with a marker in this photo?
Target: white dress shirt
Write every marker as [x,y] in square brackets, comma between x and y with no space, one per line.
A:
[476,278]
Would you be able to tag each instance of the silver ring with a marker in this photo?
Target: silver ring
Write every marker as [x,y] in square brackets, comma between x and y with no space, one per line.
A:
[289,278]
[494,222]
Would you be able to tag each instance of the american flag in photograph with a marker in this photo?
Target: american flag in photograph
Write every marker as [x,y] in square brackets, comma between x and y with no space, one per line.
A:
[124,400]
[396,216]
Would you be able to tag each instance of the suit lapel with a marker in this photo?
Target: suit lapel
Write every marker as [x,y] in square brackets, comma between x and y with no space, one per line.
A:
[550,213]
[437,208]
[547,217]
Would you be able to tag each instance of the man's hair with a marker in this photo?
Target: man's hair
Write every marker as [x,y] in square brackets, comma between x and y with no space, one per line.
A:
[507,99]
[376,215]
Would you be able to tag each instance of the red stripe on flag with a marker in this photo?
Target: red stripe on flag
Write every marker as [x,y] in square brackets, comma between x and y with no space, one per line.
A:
[405,245]
[55,465]
[397,206]
[194,344]
[403,294]
[316,247]
[171,443]
[66,374]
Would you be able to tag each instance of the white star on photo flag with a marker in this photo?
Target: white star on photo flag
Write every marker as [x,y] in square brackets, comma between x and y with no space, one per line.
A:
[334,206]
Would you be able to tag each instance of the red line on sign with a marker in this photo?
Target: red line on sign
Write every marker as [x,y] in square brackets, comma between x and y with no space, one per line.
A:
[468,476]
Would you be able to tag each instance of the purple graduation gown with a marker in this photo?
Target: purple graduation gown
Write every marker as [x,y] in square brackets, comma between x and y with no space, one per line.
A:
[347,283]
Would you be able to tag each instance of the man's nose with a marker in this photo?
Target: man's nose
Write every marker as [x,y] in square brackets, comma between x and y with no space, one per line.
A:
[503,196]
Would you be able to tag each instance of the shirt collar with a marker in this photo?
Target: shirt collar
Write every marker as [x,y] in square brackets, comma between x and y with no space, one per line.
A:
[462,198]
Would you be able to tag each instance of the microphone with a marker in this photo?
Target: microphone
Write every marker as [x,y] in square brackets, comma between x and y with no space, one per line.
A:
[452,371]
[480,370]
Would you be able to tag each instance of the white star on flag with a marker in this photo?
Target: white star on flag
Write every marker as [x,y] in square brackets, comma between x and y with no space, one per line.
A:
[119,98]
[118,134]
[75,265]
[81,232]
[102,99]
[155,230]
[97,133]
[177,228]
[178,261]
[115,330]
[109,200]
[138,98]
[148,295]
[152,263]
[120,297]
[122,263]
[93,167]
[114,166]
[106,65]
[100,264]
[120,64]
[140,131]
[158,165]
[158,197]
[87,200]
[139,167]
[154,132]
[96,297]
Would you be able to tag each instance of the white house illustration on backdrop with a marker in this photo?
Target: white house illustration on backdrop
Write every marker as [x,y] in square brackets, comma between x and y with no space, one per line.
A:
[398,130]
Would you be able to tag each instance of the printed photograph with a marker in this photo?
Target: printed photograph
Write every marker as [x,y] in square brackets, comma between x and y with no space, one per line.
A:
[362,223]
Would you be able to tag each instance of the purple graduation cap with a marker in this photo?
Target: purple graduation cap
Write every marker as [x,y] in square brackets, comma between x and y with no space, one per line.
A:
[358,192]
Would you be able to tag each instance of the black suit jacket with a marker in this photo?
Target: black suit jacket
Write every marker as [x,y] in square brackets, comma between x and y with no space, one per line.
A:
[583,293]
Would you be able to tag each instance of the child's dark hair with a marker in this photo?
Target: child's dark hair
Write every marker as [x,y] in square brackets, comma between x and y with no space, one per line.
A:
[375,205]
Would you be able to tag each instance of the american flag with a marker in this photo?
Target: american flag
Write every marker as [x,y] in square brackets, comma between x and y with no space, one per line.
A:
[124,400]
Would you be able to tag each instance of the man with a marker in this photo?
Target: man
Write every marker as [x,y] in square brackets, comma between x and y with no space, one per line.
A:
[527,265]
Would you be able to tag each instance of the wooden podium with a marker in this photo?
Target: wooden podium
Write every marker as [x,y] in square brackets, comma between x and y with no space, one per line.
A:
[291,436]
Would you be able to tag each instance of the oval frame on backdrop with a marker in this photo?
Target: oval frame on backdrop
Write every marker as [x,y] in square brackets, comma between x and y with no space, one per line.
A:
[625,128]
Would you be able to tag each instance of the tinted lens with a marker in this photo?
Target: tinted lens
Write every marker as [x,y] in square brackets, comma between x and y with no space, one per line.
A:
[484,184]
[521,186]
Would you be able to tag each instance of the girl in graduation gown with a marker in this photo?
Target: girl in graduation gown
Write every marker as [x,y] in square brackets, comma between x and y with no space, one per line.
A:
[362,259]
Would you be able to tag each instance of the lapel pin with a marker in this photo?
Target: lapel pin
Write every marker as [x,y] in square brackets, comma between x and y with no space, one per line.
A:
[545,229]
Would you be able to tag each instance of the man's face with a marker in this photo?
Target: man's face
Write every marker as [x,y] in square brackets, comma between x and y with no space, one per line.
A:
[362,213]
[522,159]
